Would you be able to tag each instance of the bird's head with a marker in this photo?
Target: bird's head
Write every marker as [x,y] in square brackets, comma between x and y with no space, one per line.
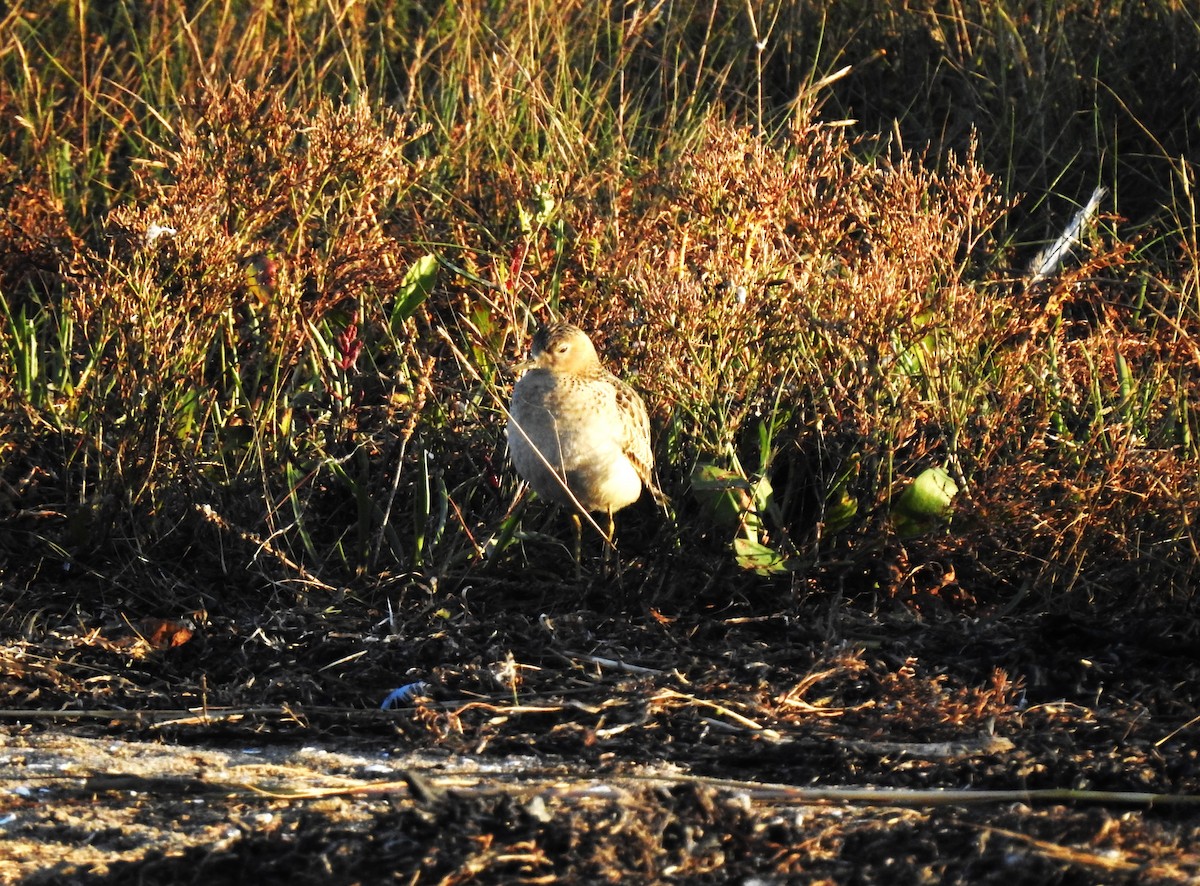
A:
[561,347]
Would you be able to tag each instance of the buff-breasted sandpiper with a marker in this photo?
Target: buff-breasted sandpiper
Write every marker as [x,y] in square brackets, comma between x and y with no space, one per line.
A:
[576,433]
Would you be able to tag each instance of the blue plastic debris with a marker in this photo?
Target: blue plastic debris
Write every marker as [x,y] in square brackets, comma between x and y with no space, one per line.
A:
[404,695]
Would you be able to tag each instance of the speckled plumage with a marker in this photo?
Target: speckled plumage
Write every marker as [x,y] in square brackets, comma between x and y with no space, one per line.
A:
[576,432]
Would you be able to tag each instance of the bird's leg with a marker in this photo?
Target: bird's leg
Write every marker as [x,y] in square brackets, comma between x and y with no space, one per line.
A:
[607,557]
[578,527]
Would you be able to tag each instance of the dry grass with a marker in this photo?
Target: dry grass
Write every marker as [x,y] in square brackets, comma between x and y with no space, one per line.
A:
[801,299]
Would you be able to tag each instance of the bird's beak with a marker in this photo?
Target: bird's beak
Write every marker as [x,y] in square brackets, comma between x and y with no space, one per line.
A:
[522,366]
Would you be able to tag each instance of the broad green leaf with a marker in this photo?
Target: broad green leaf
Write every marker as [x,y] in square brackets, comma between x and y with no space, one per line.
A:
[758,558]
[418,283]
[763,495]
[727,498]
[925,502]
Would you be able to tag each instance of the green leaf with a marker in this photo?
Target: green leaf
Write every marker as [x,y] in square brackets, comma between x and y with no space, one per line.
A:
[727,498]
[418,283]
[1124,377]
[763,494]
[724,493]
[759,558]
[840,509]
[925,502]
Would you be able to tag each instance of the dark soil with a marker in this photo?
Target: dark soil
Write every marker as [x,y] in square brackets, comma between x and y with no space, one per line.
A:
[605,741]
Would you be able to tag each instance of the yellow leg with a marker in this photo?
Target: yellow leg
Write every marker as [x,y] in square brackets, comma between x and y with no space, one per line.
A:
[608,557]
[578,527]
[609,532]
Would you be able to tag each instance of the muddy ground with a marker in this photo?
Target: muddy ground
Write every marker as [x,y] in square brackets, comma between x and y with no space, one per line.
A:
[821,741]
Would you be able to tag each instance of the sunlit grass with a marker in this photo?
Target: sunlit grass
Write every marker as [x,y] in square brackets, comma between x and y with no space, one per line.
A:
[276,264]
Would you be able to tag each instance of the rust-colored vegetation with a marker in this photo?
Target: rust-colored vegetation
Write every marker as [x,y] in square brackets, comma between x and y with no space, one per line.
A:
[264,269]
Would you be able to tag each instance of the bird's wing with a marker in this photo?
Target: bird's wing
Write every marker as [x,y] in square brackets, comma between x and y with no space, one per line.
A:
[635,442]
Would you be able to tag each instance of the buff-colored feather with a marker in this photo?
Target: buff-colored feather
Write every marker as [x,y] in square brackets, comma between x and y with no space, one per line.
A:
[577,433]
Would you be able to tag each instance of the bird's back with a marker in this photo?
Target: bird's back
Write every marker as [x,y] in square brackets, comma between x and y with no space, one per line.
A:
[586,432]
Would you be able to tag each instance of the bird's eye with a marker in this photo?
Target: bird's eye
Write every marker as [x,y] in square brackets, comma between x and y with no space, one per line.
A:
[562,349]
